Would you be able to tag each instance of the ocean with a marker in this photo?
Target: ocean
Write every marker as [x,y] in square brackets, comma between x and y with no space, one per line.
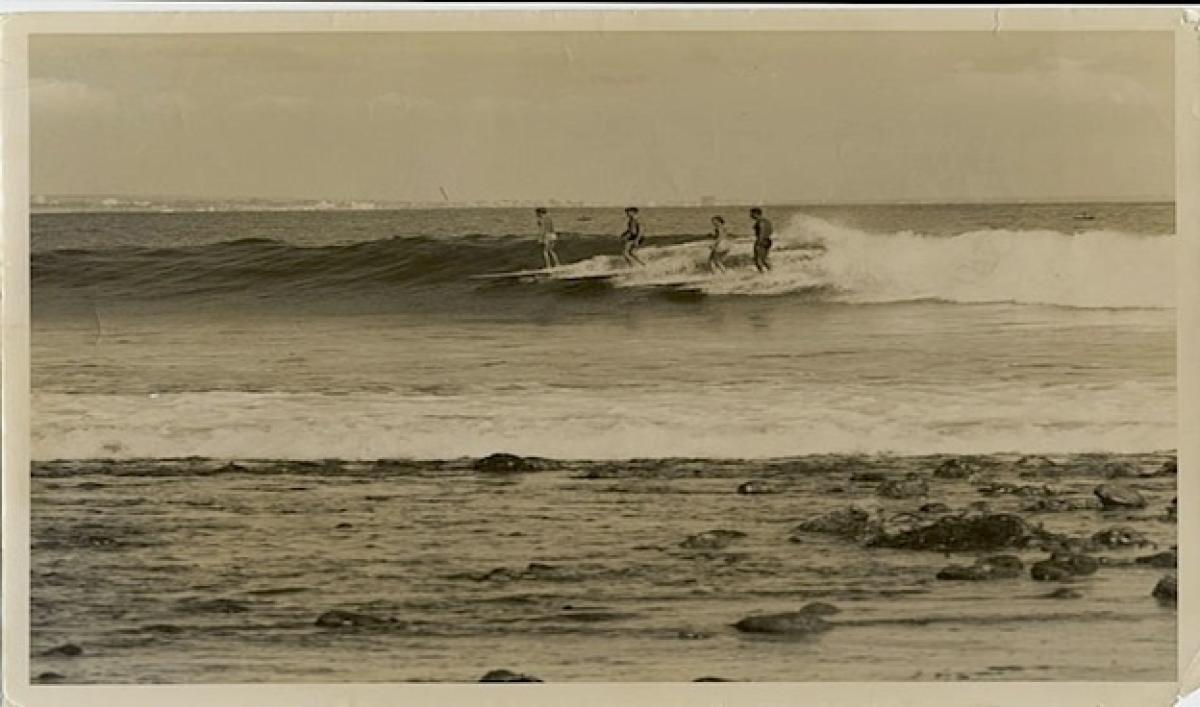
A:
[353,365]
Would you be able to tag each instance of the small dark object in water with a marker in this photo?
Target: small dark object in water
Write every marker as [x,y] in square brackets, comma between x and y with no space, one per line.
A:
[1120,536]
[709,678]
[50,676]
[754,487]
[1062,593]
[1167,589]
[791,622]
[1063,566]
[712,539]
[934,508]
[343,526]
[338,618]
[868,476]
[68,650]
[1118,496]
[504,463]
[502,675]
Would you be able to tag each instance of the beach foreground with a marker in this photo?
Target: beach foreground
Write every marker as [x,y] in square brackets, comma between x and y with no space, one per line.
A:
[201,571]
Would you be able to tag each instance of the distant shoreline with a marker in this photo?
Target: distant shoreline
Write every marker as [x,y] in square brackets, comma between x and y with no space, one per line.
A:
[363,206]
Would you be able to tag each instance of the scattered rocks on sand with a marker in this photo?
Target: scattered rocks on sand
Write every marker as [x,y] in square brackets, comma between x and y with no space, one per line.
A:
[338,618]
[1167,559]
[908,487]
[754,487]
[805,621]
[1119,496]
[66,650]
[1119,536]
[849,523]
[979,533]
[1062,567]
[505,464]
[1167,589]
[712,539]
[995,567]
[502,675]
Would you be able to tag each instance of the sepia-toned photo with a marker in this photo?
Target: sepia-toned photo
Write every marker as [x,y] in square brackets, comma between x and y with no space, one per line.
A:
[602,357]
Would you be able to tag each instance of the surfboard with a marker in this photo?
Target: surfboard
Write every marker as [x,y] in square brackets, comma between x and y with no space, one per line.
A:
[543,273]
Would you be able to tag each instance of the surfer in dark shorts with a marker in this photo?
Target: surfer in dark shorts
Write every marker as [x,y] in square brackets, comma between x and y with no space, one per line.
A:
[763,230]
[632,236]
[548,237]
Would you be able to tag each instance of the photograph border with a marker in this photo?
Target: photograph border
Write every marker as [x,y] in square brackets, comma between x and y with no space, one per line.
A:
[15,30]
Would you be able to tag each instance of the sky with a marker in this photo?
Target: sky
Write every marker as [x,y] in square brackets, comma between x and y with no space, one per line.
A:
[643,117]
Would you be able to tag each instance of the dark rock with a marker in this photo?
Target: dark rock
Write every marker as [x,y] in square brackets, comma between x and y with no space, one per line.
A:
[820,608]
[214,606]
[50,676]
[1050,571]
[1118,496]
[1120,536]
[1167,559]
[1062,567]
[338,618]
[1118,470]
[1055,505]
[1173,508]
[1167,589]
[343,526]
[959,534]
[934,508]
[66,650]
[849,523]
[1169,468]
[750,488]
[869,477]
[1062,593]
[903,488]
[791,622]
[995,567]
[503,463]
[956,469]
[708,678]
[502,675]
[712,539]
[1035,462]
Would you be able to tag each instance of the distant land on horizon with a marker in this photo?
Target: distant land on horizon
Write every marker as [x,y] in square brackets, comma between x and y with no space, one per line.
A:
[46,203]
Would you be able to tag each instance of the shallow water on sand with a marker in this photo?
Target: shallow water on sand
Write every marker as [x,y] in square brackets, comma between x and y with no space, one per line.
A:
[187,571]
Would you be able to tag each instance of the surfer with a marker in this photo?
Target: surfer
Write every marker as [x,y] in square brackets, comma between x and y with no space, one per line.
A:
[549,237]
[720,246]
[763,230]
[632,236]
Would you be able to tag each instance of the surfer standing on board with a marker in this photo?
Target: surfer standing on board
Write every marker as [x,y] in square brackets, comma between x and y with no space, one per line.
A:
[763,230]
[549,237]
[720,246]
[632,236]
